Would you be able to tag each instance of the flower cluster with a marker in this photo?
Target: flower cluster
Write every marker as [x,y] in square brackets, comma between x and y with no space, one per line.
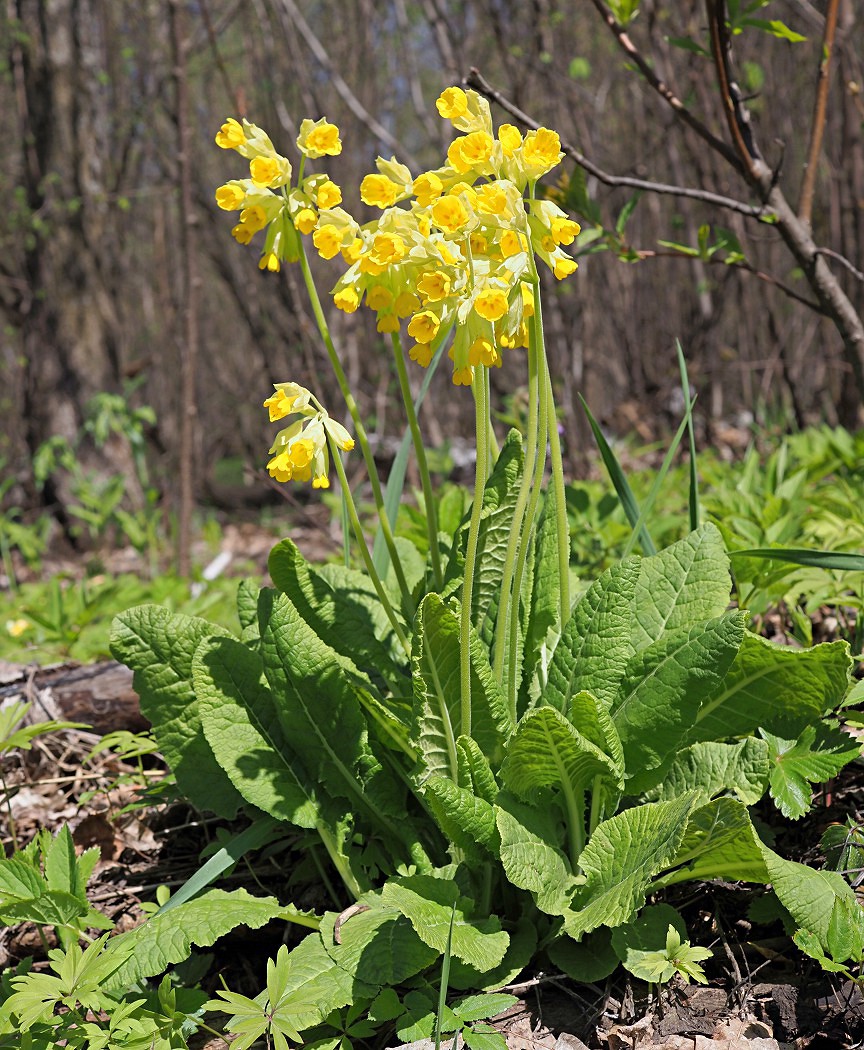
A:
[453,247]
[300,451]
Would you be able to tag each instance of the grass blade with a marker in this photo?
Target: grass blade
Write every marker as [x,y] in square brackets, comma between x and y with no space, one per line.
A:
[813,559]
[620,482]
[693,500]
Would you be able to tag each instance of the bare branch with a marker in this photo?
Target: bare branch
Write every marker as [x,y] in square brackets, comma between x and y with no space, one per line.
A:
[342,89]
[820,110]
[753,211]
[663,89]
[857,274]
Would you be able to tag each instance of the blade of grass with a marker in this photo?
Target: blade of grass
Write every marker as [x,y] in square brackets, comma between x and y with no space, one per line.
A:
[659,478]
[619,481]
[813,559]
[256,835]
[693,499]
[445,980]
[396,480]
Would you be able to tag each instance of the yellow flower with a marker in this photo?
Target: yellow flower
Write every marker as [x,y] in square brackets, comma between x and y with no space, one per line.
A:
[511,243]
[230,135]
[379,191]
[242,233]
[305,220]
[230,197]
[565,231]
[452,103]
[387,248]
[434,286]
[264,170]
[378,297]
[255,218]
[541,151]
[470,151]
[339,434]
[16,628]
[353,251]
[328,240]
[427,188]
[270,261]
[406,304]
[483,352]
[422,354]
[463,376]
[347,299]
[491,303]
[449,213]
[387,323]
[424,326]
[564,266]
[328,195]
[510,138]
[491,199]
[318,138]
[527,299]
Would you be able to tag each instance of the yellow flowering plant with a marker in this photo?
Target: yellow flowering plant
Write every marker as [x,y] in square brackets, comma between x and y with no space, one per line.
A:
[491,773]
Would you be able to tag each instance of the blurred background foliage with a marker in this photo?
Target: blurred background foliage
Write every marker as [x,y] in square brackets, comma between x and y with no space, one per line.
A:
[94,272]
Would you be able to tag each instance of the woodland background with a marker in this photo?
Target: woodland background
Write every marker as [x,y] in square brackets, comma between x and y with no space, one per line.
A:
[118,273]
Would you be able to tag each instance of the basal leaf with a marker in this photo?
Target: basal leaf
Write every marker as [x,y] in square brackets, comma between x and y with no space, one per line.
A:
[159,646]
[341,607]
[543,614]
[499,502]
[595,644]
[684,584]
[720,842]
[437,694]
[466,820]
[663,689]
[520,952]
[590,960]
[319,712]
[168,939]
[711,768]
[780,689]
[822,903]
[622,856]
[530,855]
[247,603]
[474,769]
[377,947]
[592,719]
[546,751]
[428,903]
[241,725]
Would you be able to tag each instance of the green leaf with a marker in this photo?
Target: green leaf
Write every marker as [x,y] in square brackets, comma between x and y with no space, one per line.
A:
[711,768]
[592,719]
[638,943]
[686,44]
[775,27]
[622,856]
[466,820]
[437,721]
[240,722]
[684,584]
[664,688]
[159,647]
[531,857]
[429,902]
[795,764]
[587,961]
[379,947]
[720,842]
[168,939]
[543,611]
[595,646]
[341,607]
[546,751]
[780,689]
[520,952]
[481,1007]
[499,504]
[320,713]
[474,769]
[247,603]
[814,559]
[822,903]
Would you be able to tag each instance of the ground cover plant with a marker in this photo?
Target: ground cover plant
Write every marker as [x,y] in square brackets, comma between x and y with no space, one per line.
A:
[490,773]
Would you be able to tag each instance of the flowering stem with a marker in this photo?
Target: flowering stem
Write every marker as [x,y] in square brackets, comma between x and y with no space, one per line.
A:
[422,464]
[533,501]
[481,407]
[360,430]
[508,601]
[562,524]
[364,550]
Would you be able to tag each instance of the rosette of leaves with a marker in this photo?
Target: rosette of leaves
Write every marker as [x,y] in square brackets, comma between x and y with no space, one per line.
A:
[646,726]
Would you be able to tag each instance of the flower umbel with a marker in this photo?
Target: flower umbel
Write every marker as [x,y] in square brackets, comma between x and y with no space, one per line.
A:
[300,451]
